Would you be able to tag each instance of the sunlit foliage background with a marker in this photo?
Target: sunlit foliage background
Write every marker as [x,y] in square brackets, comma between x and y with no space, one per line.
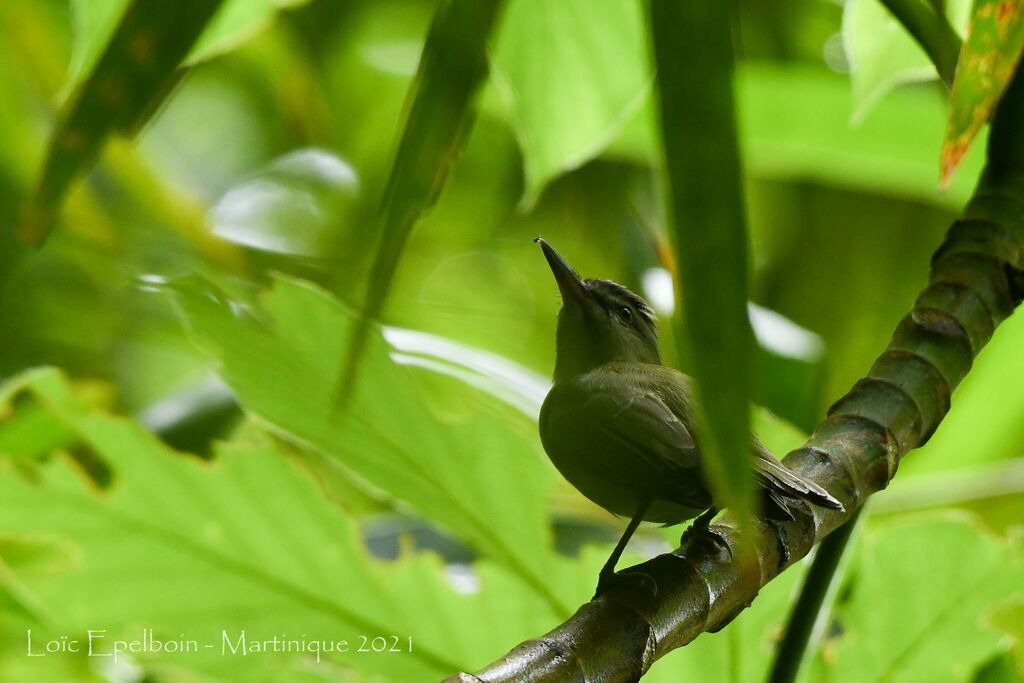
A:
[216,259]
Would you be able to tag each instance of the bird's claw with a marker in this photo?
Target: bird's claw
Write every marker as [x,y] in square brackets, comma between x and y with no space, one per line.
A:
[700,524]
[626,581]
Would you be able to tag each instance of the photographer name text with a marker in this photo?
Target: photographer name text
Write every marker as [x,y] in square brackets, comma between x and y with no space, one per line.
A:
[98,643]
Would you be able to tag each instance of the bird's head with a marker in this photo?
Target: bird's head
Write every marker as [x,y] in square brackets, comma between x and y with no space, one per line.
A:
[600,322]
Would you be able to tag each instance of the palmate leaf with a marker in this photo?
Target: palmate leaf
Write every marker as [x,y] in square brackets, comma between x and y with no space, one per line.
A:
[919,599]
[480,474]
[987,61]
[247,541]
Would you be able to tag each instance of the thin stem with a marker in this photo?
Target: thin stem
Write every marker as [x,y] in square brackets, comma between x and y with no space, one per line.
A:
[932,31]
[961,485]
[812,609]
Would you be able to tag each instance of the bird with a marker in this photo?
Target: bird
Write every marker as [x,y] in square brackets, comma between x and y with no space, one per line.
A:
[621,427]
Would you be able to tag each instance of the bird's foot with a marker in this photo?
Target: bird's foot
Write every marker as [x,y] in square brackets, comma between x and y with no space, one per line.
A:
[627,580]
[700,524]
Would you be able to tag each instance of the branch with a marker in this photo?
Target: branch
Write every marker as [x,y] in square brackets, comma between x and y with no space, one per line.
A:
[977,279]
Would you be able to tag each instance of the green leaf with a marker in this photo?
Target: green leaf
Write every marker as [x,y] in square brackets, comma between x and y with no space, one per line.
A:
[987,62]
[94,21]
[573,72]
[794,125]
[1010,619]
[777,434]
[693,54]
[478,470]
[949,574]
[883,54]
[29,431]
[133,74]
[452,67]
[237,22]
[191,549]
[292,206]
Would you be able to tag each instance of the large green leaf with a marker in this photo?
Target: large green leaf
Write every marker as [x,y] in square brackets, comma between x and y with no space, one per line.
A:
[573,72]
[707,223]
[987,62]
[191,549]
[478,471]
[917,601]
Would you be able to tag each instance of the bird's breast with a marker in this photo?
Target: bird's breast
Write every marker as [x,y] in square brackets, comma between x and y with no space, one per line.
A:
[605,469]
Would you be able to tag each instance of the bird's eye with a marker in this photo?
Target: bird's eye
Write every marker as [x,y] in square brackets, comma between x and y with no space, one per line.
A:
[626,314]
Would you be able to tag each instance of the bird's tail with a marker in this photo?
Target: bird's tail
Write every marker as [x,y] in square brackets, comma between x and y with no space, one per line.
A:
[781,486]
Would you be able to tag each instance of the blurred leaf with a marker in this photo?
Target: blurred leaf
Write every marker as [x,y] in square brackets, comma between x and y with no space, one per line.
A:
[779,436]
[918,595]
[794,125]
[247,542]
[94,21]
[573,72]
[38,556]
[92,24]
[693,54]
[999,669]
[236,22]
[1010,619]
[883,53]
[134,73]
[987,61]
[452,66]
[789,367]
[498,376]
[962,485]
[27,431]
[292,207]
[477,471]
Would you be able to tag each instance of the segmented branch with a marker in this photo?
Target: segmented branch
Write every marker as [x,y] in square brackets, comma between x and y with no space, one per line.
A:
[977,279]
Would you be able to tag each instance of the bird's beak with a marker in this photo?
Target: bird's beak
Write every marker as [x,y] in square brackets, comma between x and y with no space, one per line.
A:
[569,283]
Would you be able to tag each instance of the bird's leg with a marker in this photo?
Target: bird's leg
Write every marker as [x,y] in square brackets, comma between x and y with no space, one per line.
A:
[700,524]
[608,577]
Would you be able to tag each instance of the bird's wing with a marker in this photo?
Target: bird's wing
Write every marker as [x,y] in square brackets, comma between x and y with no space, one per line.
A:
[645,427]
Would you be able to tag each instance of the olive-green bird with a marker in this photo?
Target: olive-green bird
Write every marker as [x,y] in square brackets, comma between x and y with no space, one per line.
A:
[620,426]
